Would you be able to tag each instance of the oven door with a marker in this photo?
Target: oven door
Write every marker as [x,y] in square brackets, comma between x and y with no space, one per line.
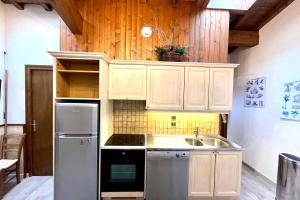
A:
[122,170]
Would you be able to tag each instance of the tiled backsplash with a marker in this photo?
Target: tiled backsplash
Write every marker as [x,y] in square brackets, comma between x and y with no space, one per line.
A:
[132,117]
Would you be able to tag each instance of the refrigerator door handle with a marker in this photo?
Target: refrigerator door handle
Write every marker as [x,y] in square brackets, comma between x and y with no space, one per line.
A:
[76,136]
[86,141]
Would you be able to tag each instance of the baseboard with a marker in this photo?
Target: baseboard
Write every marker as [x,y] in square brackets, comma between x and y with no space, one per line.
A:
[248,166]
[2,125]
[254,170]
[213,198]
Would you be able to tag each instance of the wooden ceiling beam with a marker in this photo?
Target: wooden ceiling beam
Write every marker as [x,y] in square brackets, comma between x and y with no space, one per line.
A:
[202,3]
[232,49]
[275,11]
[260,14]
[19,6]
[243,38]
[47,7]
[20,3]
[28,1]
[69,13]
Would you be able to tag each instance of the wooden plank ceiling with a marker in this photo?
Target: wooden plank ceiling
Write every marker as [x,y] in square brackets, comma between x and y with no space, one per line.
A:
[244,25]
[259,14]
[114,27]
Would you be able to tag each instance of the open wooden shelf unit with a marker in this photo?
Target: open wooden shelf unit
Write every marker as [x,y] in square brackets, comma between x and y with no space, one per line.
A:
[77,78]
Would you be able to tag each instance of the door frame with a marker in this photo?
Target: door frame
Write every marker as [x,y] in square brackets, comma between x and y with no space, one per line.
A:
[28,151]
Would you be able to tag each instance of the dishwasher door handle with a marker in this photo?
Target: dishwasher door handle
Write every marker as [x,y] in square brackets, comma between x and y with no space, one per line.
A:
[166,155]
[159,158]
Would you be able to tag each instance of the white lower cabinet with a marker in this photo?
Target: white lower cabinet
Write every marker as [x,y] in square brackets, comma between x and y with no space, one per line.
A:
[201,174]
[214,174]
[228,173]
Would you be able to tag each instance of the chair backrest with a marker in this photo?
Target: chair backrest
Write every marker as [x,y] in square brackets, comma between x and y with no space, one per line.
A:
[12,145]
[1,139]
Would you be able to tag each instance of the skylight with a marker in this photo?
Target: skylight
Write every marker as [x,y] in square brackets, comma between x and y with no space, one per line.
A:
[231,4]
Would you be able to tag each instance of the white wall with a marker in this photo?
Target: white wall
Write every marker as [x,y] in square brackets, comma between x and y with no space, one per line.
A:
[30,33]
[261,131]
[2,49]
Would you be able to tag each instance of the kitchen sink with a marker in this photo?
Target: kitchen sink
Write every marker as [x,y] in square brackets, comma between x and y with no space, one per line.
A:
[216,142]
[194,142]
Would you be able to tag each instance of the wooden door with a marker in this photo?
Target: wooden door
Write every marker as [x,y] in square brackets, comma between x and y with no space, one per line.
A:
[127,82]
[196,88]
[165,86]
[228,173]
[220,89]
[201,174]
[39,98]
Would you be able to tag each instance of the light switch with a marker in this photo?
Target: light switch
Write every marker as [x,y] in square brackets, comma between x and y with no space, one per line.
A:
[173,124]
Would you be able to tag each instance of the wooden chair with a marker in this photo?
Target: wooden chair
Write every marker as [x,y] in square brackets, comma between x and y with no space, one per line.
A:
[12,145]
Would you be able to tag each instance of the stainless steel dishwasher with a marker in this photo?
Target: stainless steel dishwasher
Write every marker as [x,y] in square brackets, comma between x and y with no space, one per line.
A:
[167,175]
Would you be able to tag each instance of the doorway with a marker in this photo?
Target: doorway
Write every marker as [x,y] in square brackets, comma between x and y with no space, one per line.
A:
[39,117]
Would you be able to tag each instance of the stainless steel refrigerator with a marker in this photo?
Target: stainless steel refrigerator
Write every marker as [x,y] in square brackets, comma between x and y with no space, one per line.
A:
[76,151]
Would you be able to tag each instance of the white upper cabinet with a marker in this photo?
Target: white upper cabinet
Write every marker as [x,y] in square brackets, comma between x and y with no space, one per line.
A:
[228,173]
[165,86]
[220,89]
[196,88]
[127,82]
[182,86]
[201,174]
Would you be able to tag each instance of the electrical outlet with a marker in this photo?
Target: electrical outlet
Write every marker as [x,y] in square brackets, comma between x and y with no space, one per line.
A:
[173,124]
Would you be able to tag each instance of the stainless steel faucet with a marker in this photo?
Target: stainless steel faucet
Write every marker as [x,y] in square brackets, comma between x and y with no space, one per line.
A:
[197,132]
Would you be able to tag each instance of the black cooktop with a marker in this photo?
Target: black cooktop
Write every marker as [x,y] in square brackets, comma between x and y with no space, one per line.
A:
[126,140]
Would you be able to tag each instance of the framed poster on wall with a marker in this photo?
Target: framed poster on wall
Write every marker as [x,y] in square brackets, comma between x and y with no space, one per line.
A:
[291,101]
[255,93]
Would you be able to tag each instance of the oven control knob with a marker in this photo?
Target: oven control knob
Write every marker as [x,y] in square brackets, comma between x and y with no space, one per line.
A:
[177,155]
[123,153]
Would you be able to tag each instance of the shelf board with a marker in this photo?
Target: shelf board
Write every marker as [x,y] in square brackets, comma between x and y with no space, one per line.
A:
[78,71]
[74,98]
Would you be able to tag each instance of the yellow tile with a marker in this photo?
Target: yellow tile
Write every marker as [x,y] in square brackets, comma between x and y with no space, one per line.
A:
[131,117]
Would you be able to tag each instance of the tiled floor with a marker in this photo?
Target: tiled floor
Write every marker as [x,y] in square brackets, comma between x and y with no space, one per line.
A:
[254,187]
[33,188]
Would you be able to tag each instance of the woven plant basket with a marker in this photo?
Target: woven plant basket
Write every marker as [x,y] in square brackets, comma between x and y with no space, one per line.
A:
[171,56]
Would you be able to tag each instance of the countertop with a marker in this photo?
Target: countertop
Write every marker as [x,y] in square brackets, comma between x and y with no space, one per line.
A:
[157,142]
[175,142]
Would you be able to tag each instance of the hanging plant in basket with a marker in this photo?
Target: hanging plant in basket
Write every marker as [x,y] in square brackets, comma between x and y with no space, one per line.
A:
[170,53]
[167,51]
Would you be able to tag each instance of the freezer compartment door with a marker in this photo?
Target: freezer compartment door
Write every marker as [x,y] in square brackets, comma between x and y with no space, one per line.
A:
[76,118]
[76,168]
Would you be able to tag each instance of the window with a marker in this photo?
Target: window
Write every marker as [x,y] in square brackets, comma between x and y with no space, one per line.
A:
[231,4]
